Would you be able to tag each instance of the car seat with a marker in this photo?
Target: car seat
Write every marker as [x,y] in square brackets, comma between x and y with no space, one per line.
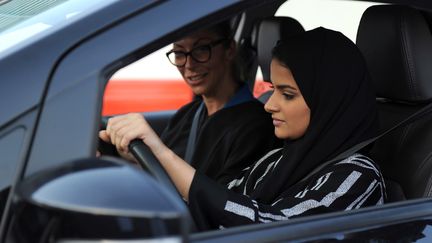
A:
[266,34]
[397,45]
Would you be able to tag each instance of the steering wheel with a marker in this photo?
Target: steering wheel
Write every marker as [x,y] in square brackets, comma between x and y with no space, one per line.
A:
[144,157]
[148,162]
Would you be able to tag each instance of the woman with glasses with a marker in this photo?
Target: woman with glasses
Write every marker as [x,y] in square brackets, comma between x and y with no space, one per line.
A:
[323,105]
[225,128]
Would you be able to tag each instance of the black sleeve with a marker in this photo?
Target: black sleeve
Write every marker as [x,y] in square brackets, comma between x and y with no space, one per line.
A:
[249,142]
[346,186]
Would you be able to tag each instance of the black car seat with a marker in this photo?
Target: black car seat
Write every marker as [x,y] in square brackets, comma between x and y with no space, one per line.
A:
[397,44]
[266,34]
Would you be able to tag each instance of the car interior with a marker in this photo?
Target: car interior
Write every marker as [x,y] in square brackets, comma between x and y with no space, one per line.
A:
[65,96]
[404,154]
[267,32]
[400,68]
[396,42]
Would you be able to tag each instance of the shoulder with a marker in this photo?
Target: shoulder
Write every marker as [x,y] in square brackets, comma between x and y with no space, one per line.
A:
[358,162]
[357,171]
[182,119]
[250,111]
[357,168]
[254,104]
[348,184]
[187,110]
[193,105]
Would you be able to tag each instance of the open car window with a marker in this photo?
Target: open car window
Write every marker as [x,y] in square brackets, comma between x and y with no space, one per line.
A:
[343,16]
[147,85]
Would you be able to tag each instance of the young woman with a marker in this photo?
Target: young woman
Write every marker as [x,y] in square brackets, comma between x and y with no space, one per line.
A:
[322,105]
[232,128]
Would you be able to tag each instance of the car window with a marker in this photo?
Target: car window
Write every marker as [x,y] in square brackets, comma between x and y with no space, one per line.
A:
[21,20]
[149,84]
[343,16]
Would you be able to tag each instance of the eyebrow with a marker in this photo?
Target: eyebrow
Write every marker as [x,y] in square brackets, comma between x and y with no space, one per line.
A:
[196,43]
[285,86]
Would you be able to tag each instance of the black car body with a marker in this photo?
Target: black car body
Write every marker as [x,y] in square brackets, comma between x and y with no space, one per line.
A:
[51,90]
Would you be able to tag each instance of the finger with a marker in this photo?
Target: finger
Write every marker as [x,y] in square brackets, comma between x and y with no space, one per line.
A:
[113,122]
[126,135]
[135,131]
[131,124]
[116,128]
[104,136]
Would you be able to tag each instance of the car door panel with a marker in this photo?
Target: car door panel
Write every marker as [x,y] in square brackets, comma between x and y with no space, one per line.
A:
[15,142]
[378,222]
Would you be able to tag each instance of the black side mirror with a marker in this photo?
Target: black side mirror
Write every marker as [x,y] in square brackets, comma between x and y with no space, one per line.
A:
[94,199]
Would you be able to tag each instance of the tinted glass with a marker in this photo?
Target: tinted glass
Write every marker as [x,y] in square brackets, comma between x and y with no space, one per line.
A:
[22,19]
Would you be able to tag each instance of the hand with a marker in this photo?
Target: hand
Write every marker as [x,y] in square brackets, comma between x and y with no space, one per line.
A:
[121,130]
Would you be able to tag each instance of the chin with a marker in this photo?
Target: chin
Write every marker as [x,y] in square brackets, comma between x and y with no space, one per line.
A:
[200,90]
[197,90]
[281,135]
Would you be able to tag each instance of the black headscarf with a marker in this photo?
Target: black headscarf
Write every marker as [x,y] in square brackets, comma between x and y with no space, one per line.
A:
[334,81]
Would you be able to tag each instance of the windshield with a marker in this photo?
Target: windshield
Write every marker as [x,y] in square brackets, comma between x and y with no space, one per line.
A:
[23,19]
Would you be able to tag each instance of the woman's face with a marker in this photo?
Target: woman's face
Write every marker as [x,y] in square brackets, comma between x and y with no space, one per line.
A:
[204,77]
[290,113]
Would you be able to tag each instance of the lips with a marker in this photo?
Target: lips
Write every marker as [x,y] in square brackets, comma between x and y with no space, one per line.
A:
[195,79]
[277,122]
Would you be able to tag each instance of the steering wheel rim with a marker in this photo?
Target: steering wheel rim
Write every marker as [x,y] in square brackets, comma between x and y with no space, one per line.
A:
[148,162]
[146,159]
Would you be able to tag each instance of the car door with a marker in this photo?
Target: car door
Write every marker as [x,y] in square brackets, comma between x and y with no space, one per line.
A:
[29,55]
[409,221]
[85,54]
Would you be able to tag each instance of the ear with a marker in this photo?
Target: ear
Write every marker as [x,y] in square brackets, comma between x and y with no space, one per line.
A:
[231,51]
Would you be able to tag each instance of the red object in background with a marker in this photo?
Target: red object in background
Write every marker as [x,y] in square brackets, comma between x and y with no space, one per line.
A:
[124,96]
[261,87]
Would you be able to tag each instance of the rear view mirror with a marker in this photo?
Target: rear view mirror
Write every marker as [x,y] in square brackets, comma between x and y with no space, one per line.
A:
[94,199]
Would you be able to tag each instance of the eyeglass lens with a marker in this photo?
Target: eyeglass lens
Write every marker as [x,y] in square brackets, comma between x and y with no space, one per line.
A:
[199,54]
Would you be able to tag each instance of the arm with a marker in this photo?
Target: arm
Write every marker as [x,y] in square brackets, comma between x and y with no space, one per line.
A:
[121,130]
[248,144]
[345,187]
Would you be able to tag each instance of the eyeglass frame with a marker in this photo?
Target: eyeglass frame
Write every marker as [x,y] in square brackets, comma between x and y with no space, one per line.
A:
[189,53]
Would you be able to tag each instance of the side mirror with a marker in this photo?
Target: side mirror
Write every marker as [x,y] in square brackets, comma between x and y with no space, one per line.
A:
[95,199]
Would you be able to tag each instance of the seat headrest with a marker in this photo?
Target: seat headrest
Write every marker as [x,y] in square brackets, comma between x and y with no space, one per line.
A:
[397,44]
[267,32]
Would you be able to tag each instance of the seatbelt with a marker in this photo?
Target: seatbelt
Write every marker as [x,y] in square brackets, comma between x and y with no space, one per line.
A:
[193,134]
[412,118]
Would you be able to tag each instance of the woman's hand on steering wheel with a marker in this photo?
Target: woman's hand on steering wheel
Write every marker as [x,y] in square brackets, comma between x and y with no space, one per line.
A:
[136,141]
[121,130]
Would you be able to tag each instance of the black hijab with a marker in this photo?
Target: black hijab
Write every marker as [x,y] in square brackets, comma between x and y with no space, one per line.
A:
[334,81]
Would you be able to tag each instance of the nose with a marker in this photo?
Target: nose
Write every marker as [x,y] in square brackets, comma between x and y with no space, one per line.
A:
[190,62]
[271,106]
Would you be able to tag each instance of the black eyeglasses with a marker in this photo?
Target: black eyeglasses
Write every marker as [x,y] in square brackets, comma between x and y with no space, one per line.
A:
[199,54]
